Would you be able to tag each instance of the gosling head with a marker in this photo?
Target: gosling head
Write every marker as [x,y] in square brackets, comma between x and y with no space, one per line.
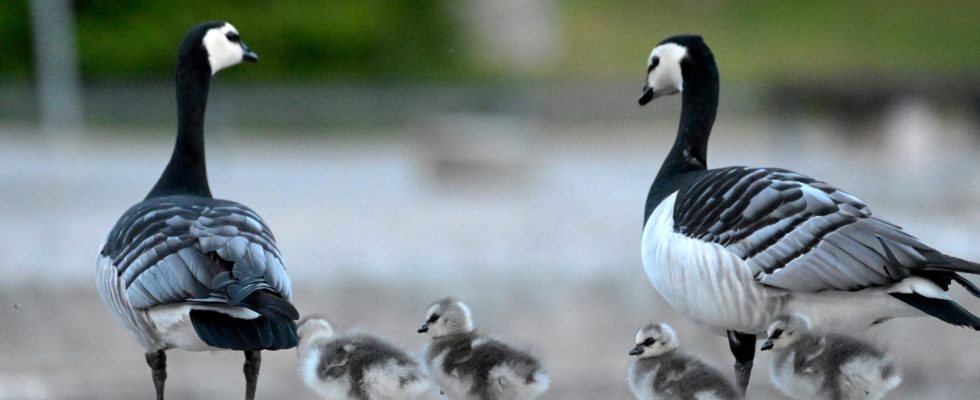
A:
[674,60]
[654,340]
[785,330]
[310,330]
[216,44]
[447,317]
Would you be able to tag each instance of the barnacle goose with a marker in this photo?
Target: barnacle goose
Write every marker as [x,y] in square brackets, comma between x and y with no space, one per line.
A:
[184,270]
[356,366]
[733,247]
[470,366]
[661,372]
[806,365]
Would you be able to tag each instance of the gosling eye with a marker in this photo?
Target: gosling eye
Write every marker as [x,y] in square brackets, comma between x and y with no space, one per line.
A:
[233,37]
[777,333]
[432,318]
[649,342]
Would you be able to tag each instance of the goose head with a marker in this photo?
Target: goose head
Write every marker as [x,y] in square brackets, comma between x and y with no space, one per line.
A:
[670,62]
[447,317]
[654,340]
[217,43]
[785,330]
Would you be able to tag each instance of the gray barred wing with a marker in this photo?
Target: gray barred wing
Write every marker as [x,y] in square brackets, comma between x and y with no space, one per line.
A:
[186,248]
[795,232]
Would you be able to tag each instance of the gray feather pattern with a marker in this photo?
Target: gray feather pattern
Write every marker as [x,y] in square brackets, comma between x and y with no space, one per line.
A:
[136,323]
[181,248]
[797,233]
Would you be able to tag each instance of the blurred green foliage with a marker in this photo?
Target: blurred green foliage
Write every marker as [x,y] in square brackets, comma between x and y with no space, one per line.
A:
[15,39]
[413,40]
[299,39]
[759,40]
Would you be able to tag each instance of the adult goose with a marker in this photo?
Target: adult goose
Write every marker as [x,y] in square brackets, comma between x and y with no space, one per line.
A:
[731,248]
[184,270]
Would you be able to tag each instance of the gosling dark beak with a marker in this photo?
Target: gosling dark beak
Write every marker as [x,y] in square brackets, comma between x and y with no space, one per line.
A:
[424,328]
[249,55]
[767,345]
[647,95]
[637,350]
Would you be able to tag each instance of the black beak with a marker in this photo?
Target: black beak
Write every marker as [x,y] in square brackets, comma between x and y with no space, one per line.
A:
[249,55]
[767,345]
[637,350]
[647,95]
[424,328]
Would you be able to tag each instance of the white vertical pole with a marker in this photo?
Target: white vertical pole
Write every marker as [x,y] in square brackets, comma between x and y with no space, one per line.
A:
[58,87]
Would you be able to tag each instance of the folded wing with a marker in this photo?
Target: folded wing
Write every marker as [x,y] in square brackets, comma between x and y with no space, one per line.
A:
[182,248]
[798,233]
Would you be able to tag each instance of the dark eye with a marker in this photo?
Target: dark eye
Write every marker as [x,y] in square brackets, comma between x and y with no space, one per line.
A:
[649,342]
[777,333]
[654,62]
[433,318]
[233,37]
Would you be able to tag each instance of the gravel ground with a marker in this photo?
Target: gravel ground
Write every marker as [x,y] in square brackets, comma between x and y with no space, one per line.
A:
[62,344]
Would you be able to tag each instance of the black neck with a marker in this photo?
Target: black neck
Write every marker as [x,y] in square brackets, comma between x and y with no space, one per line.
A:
[186,172]
[698,108]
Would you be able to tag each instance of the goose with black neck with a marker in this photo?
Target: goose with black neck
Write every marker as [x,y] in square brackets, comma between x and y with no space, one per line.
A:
[732,248]
[183,270]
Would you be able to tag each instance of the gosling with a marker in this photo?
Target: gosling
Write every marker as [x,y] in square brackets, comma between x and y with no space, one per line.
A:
[356,366]
[661,372]
[467,365]
[832,367]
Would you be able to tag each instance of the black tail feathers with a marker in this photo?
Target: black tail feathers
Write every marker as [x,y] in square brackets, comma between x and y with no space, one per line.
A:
[271,306]
[969,286]
[273,329]
[946,262]
[226,332]
[946,310]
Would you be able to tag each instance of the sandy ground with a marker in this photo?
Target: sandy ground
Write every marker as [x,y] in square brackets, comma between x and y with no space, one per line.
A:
[536,225]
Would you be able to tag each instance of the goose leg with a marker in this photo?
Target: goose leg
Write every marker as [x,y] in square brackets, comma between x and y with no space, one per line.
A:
[253,359]
[158,364]
[743,348]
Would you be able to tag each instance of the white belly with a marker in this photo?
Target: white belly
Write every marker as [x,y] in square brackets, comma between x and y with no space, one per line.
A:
[702,280]
[452,387]
[329,388]
[792,384]
[862,378]
[173,323]
[640,383]
[384,382]
[507,384]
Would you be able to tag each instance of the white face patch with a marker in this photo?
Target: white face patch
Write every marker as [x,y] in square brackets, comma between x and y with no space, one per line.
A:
[432,310]
[790,326]
[665,340]
[776,325]
[453,318]
[314,328]
[666,78]
[222,52]
[468,317]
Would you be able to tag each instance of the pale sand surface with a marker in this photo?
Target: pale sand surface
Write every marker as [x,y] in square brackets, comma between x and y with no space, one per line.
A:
[62,344]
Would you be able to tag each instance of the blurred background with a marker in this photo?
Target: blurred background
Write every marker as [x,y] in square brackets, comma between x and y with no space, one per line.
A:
[492,150]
